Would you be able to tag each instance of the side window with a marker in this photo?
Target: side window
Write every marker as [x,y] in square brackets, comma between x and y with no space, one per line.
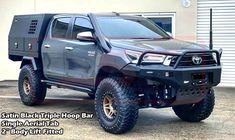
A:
[60,27]
[81,25]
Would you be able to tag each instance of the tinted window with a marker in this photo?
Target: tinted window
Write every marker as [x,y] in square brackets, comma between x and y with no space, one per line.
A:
[81,25]
[130,27]
[60,27]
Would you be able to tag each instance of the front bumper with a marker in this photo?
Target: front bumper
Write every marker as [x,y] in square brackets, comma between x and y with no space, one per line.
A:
[186,84]
[177,77]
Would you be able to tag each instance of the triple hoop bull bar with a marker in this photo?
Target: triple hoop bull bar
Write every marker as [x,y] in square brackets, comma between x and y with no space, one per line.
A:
[218,55]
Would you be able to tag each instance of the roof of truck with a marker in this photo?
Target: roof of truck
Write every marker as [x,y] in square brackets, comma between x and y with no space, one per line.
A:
[108,14]
[111,14]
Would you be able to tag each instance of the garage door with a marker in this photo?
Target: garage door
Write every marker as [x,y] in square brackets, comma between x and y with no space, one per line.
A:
[224,33]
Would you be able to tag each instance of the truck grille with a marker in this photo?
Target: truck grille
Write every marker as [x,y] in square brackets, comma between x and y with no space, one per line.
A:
[202,59]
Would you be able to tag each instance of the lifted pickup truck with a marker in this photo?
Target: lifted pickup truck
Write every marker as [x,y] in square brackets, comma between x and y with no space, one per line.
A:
[124,62]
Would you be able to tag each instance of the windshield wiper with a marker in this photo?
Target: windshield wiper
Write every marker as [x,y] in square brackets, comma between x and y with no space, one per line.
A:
[165,38]
[141,38]
[151,38]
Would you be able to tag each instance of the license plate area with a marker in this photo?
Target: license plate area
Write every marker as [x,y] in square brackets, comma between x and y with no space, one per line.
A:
[199,79]
[199,76]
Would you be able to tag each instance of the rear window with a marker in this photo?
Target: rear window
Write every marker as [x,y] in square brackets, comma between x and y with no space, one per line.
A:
[60,27]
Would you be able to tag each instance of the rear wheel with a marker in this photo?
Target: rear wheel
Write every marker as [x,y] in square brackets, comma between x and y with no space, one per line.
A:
[116,106]
[196,112]
[32,91]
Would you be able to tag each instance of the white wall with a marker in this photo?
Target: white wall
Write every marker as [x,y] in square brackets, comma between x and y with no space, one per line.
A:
[8,69]
[185,18]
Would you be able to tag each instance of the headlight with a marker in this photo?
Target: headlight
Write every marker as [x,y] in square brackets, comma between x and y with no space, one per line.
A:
[168,60]
[149,58]
[154,58]
[214,55]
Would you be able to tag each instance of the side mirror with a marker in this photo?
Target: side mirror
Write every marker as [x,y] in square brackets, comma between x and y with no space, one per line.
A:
[85,36]
[170,34]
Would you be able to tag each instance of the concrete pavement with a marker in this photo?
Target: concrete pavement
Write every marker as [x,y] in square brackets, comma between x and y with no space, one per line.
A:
[152,123]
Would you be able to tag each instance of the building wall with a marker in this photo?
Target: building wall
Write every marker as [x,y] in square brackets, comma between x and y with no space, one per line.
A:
[186,18]
[223,33]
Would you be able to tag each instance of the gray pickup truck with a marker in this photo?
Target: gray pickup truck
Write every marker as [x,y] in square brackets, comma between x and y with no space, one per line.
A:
[123,62]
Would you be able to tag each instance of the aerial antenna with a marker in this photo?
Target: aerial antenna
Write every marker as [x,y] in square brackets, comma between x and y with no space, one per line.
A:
[211,31]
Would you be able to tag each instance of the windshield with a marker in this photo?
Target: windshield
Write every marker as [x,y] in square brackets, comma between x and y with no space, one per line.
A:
[130,28]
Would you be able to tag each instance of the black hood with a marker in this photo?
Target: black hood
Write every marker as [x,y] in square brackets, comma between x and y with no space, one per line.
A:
[163,45]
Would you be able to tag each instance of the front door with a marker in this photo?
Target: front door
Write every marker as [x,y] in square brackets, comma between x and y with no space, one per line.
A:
[80,56]
[53,48]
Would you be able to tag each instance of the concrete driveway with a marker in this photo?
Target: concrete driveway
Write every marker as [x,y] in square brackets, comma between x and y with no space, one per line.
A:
[152,123]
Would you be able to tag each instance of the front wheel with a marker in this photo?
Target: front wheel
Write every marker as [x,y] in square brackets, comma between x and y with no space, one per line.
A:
[116,105]
[196,112]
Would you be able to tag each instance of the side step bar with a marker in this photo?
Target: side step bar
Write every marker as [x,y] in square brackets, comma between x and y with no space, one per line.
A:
[62,85]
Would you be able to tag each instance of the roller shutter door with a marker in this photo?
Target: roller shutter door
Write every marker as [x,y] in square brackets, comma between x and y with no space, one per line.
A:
[224,33]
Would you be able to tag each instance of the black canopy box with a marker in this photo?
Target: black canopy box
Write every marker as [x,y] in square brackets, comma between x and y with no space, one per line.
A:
[26,35]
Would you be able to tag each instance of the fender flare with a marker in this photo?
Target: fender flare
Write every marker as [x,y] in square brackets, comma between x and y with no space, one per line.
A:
[31,60]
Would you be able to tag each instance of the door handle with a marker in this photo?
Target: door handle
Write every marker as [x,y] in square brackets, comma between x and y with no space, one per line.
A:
[47,46]
[69,48]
